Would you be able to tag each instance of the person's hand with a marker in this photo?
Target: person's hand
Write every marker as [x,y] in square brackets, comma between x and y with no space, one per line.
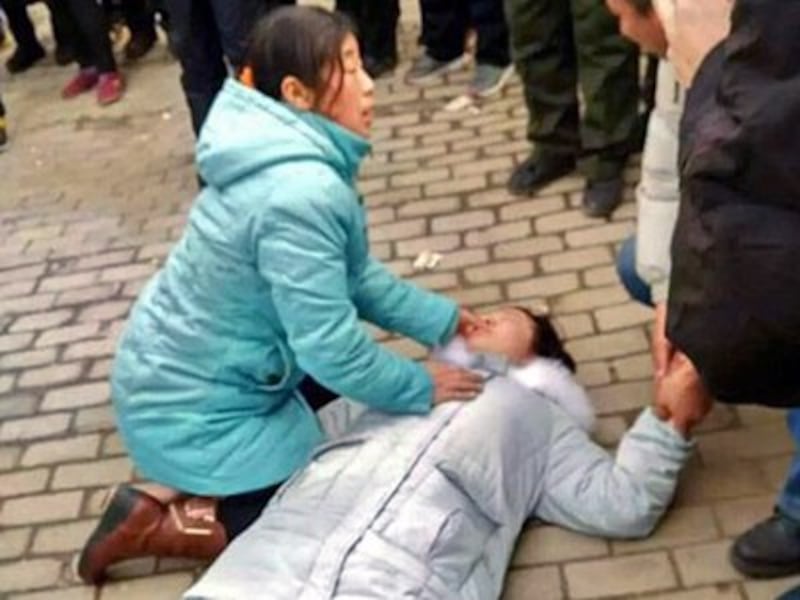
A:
[453,383]
[468,321]
[663,350]
[693,28]
[681,396]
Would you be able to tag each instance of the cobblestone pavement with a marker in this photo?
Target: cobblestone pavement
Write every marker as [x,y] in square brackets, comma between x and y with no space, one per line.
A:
[92,199]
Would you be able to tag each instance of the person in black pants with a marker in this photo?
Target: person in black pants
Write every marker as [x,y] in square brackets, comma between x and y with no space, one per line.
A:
[140,18]
[205,34]
[98,67]
[29,50]
[444,27]
[376,22]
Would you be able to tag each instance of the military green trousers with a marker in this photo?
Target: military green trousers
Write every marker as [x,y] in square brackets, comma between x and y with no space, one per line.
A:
[559,45]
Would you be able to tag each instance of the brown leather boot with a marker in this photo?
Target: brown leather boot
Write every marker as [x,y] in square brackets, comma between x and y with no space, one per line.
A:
[135,524]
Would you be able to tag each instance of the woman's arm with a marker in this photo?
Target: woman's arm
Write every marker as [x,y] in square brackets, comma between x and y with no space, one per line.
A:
[400,306]
[302,253]
[588,490]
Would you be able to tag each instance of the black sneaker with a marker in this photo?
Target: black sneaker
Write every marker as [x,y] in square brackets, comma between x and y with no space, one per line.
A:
[770,548]
[24,58]
[426,68]
[537,171]
[601,198]
[140,44]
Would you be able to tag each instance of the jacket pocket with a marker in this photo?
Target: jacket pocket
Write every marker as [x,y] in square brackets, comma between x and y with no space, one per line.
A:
[261,367]
[465,531]
[277,369]
[441,525]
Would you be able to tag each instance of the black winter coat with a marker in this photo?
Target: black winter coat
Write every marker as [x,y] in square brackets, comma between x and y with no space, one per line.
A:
[734,303]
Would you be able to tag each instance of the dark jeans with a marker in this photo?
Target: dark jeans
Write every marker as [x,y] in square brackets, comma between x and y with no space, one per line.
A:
[636,287]
[789,500]
[205,34]
[21,26]
[445,24]
[237,513]
[92,45]
[376,22]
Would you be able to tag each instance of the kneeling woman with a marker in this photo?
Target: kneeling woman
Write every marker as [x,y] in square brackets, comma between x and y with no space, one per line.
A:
[255,316]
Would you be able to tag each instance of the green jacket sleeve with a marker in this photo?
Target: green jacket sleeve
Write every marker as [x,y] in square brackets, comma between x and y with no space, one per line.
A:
[302,249]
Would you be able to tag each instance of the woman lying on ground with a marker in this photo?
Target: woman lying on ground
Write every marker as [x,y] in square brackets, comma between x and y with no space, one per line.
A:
[431,506]
[224,358]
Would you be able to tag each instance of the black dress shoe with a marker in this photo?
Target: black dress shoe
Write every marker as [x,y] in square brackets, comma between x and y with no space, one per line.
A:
[24,58]
[535,172]
[769,549]
[601,198]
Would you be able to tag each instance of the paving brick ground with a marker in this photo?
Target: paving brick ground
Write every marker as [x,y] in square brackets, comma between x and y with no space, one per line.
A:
[92,199]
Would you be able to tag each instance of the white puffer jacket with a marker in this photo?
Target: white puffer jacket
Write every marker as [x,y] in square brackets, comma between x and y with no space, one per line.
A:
[430,507]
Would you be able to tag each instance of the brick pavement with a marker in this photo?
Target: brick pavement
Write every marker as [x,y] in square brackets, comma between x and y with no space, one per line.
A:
[91,201]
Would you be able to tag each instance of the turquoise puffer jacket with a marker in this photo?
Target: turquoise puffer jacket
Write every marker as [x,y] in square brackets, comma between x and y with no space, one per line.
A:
[267,285]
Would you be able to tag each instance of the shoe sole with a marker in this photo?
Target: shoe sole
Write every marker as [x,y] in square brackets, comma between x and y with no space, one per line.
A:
[453,65]
[118,506]
[762,570]
[501,83]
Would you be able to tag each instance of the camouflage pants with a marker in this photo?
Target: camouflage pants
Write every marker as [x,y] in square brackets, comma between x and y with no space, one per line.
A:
[559,46]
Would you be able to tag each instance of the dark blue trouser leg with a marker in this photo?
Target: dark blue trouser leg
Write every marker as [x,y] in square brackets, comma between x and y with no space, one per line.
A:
[489,20]
[638,289]
[789,500]
[444,26]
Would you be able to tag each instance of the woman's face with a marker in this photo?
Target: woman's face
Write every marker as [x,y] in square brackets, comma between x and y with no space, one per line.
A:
[349,98]
[507,331]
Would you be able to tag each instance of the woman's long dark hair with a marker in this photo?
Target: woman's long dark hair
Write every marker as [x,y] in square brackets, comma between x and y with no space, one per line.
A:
[547,342]
[300,41]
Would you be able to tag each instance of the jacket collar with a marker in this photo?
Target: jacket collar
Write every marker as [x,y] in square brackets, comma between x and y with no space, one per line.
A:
[344,149]
[547,376]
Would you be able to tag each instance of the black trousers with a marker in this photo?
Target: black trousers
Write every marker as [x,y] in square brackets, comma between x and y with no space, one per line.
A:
[139,16]
[445,24]
[208,36]
[20,24]
[91,42]
[237,513]
[376,21]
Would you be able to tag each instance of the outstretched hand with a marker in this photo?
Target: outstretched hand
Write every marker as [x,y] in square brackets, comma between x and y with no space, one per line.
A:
[681,396]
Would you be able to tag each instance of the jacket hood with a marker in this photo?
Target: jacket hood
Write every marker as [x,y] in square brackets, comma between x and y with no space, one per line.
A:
[247,131]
